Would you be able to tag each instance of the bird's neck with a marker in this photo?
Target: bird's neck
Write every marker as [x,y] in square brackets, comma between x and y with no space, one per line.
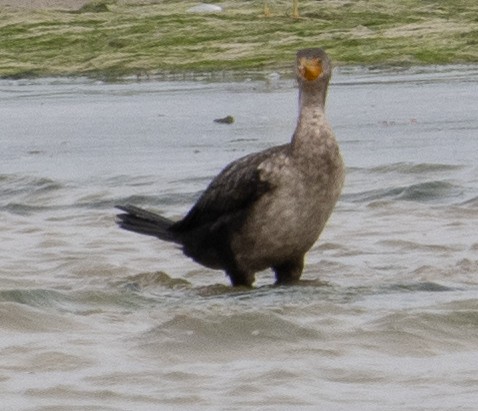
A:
[312,97]
[311,123]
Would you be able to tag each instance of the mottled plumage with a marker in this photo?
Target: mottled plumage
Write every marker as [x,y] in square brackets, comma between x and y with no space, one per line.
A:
[264,210]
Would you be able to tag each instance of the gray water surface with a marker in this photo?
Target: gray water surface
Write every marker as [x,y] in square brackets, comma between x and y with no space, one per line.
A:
[92,317]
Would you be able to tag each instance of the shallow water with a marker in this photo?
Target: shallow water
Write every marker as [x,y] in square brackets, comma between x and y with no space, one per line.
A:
[95,318]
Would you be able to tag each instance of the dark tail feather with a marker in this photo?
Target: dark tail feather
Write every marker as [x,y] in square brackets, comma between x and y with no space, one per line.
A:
[145,222]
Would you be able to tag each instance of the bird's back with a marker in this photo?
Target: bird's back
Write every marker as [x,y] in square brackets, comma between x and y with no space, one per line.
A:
[223,208]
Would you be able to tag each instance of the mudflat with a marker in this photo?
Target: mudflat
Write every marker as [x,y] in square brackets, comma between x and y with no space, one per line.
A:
[44,4]
[112,39]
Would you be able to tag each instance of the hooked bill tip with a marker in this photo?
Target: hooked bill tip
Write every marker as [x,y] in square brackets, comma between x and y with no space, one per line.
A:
[310,69]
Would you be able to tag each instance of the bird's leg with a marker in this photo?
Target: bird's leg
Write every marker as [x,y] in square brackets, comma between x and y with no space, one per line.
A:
[289,272]
[241,278]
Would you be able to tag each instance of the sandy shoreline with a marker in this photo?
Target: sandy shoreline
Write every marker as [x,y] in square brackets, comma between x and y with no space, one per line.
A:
[43,4]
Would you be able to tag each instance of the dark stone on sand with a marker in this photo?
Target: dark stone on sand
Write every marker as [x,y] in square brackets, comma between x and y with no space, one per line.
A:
[225,120]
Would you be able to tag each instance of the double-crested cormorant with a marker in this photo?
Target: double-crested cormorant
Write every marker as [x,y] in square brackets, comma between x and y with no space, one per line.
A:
[266,209]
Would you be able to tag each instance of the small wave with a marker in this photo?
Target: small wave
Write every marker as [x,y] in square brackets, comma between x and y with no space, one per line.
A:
[131,181]
[23,209]
[472,202]
[179,198]
[426,286]
[412,168]
[428,192]
[154,279]
[174,199]
[35,297]
[461,272]
[21,318]
[213,333]
[12,185]
[429,331]
[408,246]
[101,201]
[199,181]
[82,303]
[20,194]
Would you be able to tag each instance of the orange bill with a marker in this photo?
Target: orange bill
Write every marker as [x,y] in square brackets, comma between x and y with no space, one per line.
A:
[310,69]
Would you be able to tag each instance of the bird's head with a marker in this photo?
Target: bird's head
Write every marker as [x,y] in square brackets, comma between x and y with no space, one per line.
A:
[312,65]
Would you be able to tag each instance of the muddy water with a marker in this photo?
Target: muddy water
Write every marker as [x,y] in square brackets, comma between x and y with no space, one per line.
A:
[93,318]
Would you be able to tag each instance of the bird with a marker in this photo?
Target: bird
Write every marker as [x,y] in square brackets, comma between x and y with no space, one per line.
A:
[266,209]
